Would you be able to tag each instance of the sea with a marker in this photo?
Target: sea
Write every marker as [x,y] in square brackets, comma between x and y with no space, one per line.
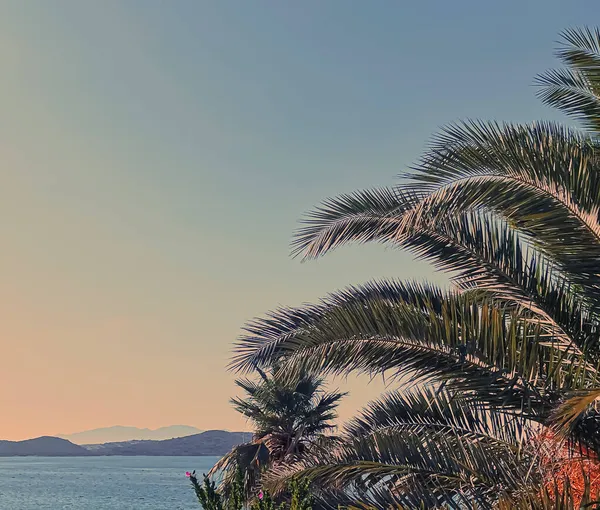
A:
[99,483]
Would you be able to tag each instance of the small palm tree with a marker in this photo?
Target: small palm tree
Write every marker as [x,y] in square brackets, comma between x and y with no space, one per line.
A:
[290,418]
[513,213]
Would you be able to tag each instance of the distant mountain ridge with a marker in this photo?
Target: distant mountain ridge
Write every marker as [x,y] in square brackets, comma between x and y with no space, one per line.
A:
[210,442]
[119,433]
[46,446]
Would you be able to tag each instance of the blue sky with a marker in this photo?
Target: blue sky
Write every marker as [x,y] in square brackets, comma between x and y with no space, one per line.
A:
[157,156]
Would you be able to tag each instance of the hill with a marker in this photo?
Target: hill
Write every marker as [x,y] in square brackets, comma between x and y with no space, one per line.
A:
[211,442]
[119,433]
[42,446]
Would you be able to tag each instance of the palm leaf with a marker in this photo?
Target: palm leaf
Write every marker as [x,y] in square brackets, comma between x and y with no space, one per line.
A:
[358,217]
[250,459]
[477,248]
[440,410]
[471,340]
[576,90]
[418,465]
[540,178]
[567,413]
[577,418]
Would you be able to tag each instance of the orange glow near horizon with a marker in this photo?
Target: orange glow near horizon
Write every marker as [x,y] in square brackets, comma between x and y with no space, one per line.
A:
[151,181]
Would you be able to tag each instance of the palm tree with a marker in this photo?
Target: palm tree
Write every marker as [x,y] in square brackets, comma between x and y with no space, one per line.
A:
[512,212]
[290,418]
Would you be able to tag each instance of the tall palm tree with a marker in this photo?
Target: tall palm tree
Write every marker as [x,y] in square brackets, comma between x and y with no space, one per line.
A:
[512,212]
[290,418]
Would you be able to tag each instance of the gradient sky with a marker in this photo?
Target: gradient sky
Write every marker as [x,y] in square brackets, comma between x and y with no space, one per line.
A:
[156,156]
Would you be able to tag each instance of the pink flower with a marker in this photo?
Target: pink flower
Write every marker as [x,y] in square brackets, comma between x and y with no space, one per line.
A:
[260,495]
[188,474]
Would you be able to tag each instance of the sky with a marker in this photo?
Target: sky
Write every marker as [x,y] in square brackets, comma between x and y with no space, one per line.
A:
[157,155]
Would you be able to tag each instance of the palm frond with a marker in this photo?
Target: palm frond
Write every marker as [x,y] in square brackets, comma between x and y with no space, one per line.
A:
[419,465]
[559,494]
[484,252]
[568,412]
[478,249]
[439,410]
[555,159]
[363,216]
[473,341]
[577,417]
[540,178]
[249,459]
[576,90]
[571,92]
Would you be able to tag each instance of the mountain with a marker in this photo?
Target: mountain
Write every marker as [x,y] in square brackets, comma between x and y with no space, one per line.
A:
[119,433]
[42,446]
[211,442]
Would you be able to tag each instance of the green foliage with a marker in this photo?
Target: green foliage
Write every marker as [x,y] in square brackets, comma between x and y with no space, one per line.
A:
[207,494]
[265,502]
[437,447]
[236,495]
[512,213]
[299,498]
[287,413]
[574,90]
[289,416]
[211,499]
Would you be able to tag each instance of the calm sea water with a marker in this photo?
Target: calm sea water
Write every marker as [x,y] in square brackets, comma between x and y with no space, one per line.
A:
[99,483]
